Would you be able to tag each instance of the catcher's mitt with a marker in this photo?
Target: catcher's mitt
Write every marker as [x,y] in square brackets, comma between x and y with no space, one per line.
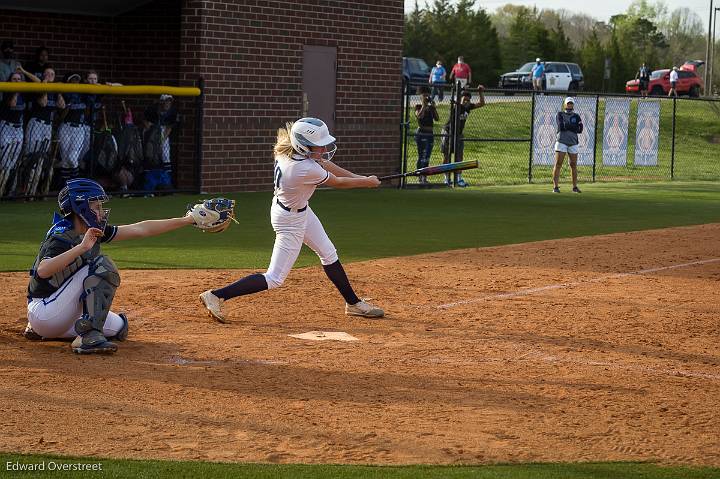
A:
[213,216]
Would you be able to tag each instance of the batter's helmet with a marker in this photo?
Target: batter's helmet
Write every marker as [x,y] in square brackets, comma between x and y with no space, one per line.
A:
[76,198]
[307,132]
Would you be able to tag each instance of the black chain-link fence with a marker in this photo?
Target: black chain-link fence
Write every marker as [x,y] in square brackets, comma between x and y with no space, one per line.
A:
[132,145]
[626,138]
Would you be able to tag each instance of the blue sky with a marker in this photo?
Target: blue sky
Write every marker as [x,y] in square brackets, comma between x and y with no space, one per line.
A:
[601,10]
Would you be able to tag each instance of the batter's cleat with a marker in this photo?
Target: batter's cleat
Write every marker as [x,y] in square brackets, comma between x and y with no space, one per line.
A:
[93,343]
[123,333]
[364,309]
[556,189]
[576,189]
[31,335]
[213,305]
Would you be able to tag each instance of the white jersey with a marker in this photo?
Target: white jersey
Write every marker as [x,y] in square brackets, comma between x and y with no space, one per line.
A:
[295,180]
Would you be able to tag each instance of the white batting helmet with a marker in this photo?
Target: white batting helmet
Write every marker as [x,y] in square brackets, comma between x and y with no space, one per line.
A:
[307,132]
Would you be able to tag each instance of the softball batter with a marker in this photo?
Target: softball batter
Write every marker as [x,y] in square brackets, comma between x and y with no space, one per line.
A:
[302,163]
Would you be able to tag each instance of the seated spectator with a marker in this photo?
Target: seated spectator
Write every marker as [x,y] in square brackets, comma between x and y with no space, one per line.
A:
[160,119]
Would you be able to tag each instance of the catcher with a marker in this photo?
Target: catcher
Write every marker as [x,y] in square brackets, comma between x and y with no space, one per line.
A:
[72,284]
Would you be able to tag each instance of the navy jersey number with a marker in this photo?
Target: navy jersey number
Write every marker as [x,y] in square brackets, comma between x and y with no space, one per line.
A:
[277,175]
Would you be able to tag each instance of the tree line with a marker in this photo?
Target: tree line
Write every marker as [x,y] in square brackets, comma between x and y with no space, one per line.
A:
[609,53]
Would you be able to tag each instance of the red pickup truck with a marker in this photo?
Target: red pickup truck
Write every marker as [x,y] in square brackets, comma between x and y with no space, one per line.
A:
[689,83]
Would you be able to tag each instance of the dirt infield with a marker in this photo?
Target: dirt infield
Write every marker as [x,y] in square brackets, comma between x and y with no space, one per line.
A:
[597,348]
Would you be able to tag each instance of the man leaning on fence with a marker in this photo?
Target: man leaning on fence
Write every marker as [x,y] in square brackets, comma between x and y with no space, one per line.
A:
[446,145]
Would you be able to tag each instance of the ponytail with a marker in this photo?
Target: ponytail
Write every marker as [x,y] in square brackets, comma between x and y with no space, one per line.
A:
[283,146]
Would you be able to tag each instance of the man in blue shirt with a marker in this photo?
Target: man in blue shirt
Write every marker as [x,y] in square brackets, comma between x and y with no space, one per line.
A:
[437,80]
[537,74]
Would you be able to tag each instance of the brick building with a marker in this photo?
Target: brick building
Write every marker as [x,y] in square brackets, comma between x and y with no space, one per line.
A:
[264,62]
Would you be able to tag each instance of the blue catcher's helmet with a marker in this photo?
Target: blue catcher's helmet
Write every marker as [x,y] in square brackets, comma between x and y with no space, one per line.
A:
[76,198]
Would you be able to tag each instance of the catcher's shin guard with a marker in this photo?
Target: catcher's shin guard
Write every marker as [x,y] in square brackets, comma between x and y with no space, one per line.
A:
[99,290]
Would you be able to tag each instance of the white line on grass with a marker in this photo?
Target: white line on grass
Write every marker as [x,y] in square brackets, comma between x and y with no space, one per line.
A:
[527,291]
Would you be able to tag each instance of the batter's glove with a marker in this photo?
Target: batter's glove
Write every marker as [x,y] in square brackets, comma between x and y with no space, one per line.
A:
[213,216]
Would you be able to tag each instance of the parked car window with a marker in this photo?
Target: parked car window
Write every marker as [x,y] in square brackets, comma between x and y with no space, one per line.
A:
[556,68]
[686,74]
[574,69]
[657,74]
[526,68]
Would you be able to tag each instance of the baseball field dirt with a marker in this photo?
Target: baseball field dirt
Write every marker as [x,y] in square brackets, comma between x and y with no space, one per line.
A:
[601,348]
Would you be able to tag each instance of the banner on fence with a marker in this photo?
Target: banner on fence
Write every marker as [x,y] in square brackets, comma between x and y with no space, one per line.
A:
[544,130]
[615,131]
[647,138]
[585,106]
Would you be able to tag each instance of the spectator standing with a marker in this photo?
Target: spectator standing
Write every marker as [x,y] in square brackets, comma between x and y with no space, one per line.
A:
[70,133]
[8,64]
[465,107]
[538,71]
[38,65]
[643,77]
[437,80]
[673,82]
[426,115]
[569,125]
[160,120]
[461,72]
[11,130]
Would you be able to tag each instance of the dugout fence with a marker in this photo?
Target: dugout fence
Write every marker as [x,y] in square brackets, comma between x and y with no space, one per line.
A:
[626,138]
[135,140]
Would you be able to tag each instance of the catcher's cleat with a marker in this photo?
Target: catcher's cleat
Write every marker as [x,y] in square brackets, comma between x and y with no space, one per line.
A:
[364,309]
[98,345]
[123,333]
[31,335]
[213,305]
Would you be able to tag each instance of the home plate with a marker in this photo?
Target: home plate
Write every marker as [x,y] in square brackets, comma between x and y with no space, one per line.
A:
[324,336]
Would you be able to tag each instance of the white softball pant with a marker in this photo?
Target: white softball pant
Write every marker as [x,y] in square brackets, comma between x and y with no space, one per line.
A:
[291,231]
[11,140]
[37,136]
[55,316]
[71,141]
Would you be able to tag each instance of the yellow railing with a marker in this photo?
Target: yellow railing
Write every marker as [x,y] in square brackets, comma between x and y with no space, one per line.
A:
[26,87]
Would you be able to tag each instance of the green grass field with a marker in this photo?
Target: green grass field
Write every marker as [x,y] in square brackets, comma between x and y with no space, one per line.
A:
[185,469]
[383,223]
[696,156]
[373,224]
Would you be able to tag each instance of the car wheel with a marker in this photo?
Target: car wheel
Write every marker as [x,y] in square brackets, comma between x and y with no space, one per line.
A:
[573,86]
[695,91]
[657,91]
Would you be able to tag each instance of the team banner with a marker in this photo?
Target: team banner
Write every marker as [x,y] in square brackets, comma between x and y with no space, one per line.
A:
[647,138]
[615,131]
[544,129]
[585,107]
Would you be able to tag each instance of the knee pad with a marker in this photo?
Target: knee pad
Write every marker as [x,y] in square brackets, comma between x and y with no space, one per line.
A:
[99,288]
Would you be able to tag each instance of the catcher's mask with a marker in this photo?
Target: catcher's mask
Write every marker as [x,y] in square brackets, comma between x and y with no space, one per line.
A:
[80,196]
[307,132]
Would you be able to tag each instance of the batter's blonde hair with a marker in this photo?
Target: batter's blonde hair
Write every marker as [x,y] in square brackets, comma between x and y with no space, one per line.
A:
[283,146]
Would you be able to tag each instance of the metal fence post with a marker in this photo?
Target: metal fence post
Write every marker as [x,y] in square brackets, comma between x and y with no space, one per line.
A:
[672,151]
[532,137]
[595,147]
[404,127]
[199,116]
[455,109]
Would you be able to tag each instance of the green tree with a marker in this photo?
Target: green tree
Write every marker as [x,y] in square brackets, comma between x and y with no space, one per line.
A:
[592,60]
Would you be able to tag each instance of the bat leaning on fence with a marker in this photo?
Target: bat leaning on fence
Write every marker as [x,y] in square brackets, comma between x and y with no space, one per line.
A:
[434,170]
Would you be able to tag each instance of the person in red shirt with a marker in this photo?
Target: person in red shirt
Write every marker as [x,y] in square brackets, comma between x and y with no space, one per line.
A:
[461,72]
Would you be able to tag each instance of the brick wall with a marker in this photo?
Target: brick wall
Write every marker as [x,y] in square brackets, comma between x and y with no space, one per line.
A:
[250,53]
[237,44]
